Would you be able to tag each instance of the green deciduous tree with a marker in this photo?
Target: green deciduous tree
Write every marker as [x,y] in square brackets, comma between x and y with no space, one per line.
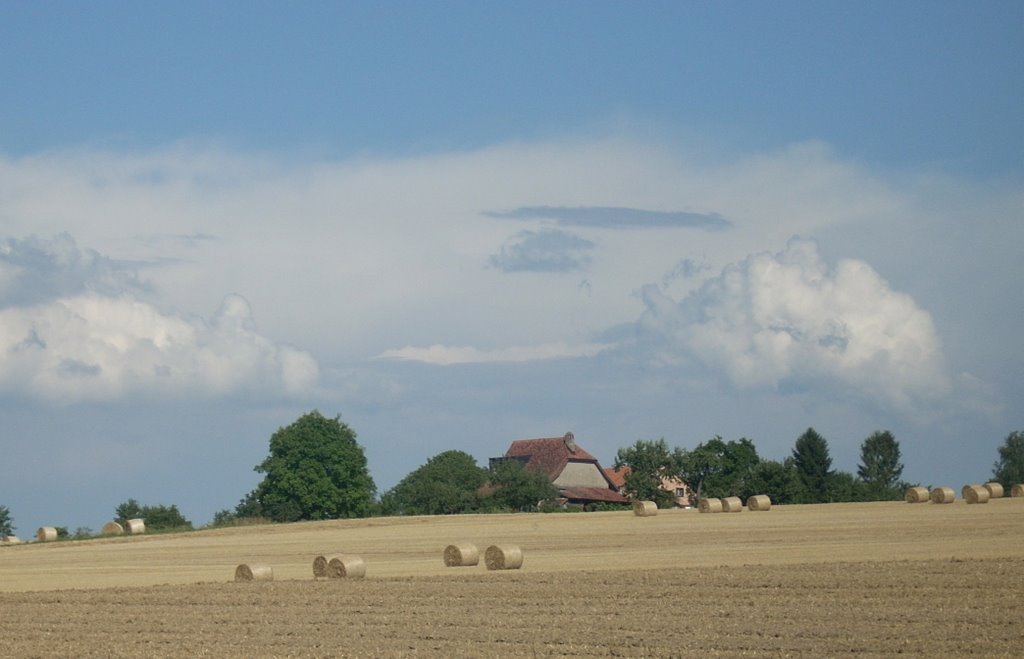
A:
[776,479]
[6,521]
[717,468]
[514,487]
[315,470]
[843,486]
[448,483]
[246,513]
[649,462]
[880,467]
[813,467]
[1009,468]
[127,510]
[224,517]
[156,517]
[249,507]
[164,517]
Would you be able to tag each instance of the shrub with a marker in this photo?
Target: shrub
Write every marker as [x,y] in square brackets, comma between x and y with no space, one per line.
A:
[157,518]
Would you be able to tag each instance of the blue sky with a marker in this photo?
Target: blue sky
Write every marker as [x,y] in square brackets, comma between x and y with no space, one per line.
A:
[886,82]
[460,224]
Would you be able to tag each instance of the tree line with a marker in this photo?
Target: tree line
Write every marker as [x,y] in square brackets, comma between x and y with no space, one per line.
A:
[317,470]
[720,468]
[158,518]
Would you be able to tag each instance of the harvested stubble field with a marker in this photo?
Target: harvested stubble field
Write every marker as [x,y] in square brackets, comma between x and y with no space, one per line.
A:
[869,579]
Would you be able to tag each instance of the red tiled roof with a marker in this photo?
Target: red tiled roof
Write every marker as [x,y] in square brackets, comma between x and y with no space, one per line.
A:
[591,494]
[548,455]
[617,476]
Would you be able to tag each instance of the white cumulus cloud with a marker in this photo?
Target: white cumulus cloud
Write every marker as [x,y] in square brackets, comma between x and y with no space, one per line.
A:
[92,347]
[75,326]
[781,319]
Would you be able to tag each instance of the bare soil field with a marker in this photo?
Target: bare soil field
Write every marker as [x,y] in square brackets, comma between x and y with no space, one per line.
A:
[832,580]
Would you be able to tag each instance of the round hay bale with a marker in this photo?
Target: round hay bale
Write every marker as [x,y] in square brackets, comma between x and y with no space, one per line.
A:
[1017,490]
[976,494]
[11,540]
[942,495]
[732,505]
[965,488]
[503,557]
[135,526]
[645,508]
[345,566]
[463,555]
[320,565]
[710,505]
[917,495]
[112,528]
[759,502]
[46,534]
[995,490]
[254,572]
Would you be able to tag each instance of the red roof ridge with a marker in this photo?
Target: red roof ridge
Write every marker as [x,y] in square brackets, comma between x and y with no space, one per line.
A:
[551,454]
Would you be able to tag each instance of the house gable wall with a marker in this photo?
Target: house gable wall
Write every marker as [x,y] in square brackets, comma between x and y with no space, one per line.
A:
[581,474]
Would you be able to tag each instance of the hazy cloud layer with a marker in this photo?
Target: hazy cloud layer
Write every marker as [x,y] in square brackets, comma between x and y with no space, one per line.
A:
[615,217]
[350,258]
[442,355]
[389,257]
[35,270]
[773,320]
[543,251]
[685,269]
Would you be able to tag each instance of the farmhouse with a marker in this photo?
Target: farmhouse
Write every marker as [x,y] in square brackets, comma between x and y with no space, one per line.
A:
[679,490]
[576,473]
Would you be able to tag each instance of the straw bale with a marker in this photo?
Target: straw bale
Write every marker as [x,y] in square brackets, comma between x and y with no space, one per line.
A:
[135,526]
[710,505]
[112,528]
[254,572]
[942,495]
[995,490]
[503,557]
[963,490]
[976,494]
[320,565]
[11,540]
[759,502]
[917,495]
[46,534]
[732,505]
[1017,490]
[645,508]
[463,555]
[346,566]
